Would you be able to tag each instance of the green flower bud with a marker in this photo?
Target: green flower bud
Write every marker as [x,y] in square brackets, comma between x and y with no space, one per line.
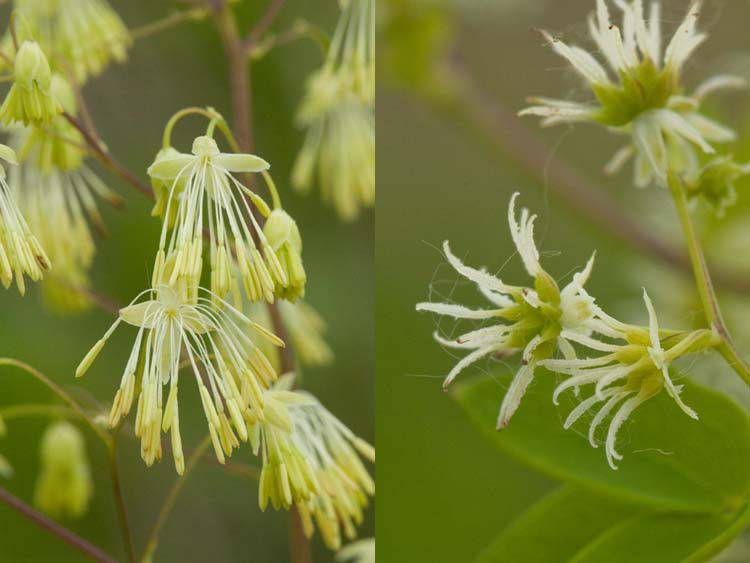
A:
[163,188]
[30,99]
[32,66]
[715,183]
[64,487]
[284,238]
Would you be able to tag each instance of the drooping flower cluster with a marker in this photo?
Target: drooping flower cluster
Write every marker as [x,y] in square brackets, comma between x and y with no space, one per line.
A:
[86,34]
[312,460]
[20,251]
[630,365]
[57,192]
[229,369]
[338,113]
[64,486]
[205,194]
[641,94]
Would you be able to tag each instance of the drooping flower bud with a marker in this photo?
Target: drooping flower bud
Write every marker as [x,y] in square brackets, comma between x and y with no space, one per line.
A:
[284,237]
[30,99]
[64,487]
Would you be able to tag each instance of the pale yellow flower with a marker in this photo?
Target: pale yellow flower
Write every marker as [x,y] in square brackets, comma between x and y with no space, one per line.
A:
[20,251]
[230,371]
[338,113]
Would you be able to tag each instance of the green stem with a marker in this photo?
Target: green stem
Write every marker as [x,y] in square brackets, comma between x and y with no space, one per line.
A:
[275,199]
[36,410]
[703,281]
[122,515]
[55,388]
[69,537]
[166,509]
[167,22]
[208,113]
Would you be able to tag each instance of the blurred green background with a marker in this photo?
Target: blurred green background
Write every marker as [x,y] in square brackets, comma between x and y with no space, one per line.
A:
[444,492]
[217,518]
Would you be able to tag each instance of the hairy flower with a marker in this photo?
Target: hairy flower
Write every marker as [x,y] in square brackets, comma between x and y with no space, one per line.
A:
[204,190]
[87,34]
[645,100]
[534,320]
[232,376]
[362,551]
[64,487]
[20,251]
[626,373]
[30,98]
[338,113]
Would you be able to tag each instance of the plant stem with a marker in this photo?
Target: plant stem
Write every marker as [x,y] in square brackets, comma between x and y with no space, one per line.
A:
[167,22]
[107,159]
[239,80]
[122,515]
[54,528]
[264,22]
[36,410]
[298,542]
[55,388]
[703,281]
[169,502]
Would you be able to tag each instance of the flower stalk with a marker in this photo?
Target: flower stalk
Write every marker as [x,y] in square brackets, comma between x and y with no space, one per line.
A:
[703,281]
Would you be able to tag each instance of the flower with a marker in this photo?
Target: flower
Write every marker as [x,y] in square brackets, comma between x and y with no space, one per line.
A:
[231,383]
[362,551]
[532,320]
[87,34]
[627,374]
[64,486]
[287,476]
[30,98]
[312,459]
[20,251]
[334,452]
[283,236]
[646,101]
[56,191]
[338,113]
[205,176]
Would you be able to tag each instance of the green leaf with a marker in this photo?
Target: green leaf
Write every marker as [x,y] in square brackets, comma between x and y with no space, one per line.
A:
[671,461]
[576,525]
[556,527]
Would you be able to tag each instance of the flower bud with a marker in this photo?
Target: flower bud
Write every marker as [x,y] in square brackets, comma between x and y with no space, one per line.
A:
[64,487]
[30,99]
[32,66]
[285,240]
